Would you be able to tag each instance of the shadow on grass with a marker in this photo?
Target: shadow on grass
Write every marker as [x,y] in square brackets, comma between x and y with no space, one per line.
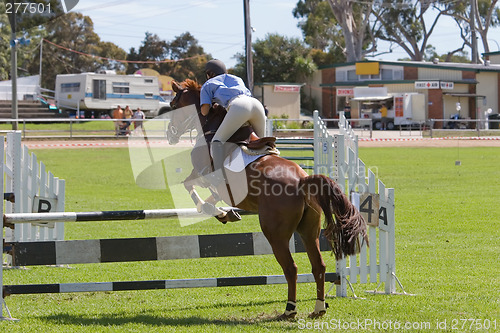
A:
[170,319]
[121,319]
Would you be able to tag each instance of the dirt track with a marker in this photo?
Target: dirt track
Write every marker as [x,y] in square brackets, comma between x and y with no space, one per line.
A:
[117,143]
[471,142]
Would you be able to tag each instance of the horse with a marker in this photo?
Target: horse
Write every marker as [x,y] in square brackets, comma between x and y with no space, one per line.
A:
[286,200]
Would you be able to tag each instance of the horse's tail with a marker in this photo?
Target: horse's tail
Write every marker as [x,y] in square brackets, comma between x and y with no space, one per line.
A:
[343,233]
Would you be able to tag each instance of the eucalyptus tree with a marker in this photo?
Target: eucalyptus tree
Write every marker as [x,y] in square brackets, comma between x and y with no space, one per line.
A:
[487,15]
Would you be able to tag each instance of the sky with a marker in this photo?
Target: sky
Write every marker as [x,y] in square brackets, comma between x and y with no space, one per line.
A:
[218,25]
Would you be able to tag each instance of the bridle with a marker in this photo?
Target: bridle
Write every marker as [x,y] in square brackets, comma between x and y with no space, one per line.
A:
[175,130]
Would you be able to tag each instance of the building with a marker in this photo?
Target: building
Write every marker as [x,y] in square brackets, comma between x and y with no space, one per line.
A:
[280,99]
[413,91]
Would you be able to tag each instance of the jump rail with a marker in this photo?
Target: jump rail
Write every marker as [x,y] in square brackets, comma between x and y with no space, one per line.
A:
[118,215]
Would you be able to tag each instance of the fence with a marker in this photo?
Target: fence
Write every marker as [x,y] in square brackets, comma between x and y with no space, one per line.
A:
[82,128]
[378,263]
[35,190]
[465,127]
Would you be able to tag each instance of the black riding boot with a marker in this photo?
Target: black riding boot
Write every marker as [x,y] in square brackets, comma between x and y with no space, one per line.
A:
[218,161]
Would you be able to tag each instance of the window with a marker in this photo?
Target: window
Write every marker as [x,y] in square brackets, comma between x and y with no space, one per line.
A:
[369,77]
[121,88]
[99,89]
[341,76]
[386,74]
[70,87]
[351,75]
[398,74]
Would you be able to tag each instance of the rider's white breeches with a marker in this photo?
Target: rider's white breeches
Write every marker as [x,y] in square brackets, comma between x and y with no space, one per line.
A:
[242,109]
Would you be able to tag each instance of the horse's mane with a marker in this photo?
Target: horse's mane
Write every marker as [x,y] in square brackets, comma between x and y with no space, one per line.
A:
[191,85]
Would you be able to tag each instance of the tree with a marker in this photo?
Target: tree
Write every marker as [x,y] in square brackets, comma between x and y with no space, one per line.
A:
[25,53]
[320,31]
[152,49]
[339,28]
[74,47]
[406,24]
[189,56]
[183,58]
[353,18]
[487,16]
[461,56]
[278,59]
[4,44]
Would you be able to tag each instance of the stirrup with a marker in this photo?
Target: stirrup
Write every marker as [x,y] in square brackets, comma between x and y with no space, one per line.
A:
[230,216]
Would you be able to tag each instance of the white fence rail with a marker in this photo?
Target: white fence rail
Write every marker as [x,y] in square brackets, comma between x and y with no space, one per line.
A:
[35,190]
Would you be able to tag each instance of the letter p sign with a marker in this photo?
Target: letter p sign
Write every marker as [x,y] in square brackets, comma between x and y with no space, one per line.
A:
[44,205]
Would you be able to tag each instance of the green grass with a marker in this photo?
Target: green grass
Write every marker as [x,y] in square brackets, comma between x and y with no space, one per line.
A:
[447,249]
[88,128]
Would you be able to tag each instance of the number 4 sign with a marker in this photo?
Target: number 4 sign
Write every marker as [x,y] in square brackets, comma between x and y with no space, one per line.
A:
[369,207]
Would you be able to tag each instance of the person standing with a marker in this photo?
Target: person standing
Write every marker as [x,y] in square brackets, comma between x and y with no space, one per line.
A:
[118,114]
[128,114]
[383,114]
[138,118]
[347,110]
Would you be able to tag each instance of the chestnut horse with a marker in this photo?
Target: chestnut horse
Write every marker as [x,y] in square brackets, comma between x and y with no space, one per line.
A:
[287,199]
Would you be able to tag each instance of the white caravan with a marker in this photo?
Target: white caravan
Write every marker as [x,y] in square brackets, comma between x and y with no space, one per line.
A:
[100,93]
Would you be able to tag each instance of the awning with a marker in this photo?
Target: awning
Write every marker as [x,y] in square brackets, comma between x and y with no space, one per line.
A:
[464,95]
[371,98]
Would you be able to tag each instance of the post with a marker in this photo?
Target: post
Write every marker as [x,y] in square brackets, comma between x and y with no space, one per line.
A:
[1,209]
[13,70]
[248,44]
[473,5]
[40,69]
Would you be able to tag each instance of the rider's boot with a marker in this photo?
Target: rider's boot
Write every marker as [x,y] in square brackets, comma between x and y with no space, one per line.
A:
[217,148]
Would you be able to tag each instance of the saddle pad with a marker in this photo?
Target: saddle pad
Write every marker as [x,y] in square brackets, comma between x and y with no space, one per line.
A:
[238,160]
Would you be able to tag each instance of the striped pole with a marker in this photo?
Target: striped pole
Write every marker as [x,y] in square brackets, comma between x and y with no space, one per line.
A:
[159,284]
[118,215]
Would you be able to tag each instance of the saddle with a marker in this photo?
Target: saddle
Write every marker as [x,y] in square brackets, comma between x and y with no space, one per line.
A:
[261,146]
[257,143]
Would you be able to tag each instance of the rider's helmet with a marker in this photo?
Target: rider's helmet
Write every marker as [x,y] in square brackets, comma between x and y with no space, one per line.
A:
[215,67]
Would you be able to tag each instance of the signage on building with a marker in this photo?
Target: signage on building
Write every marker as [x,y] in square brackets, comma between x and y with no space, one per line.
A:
[427,85]
[367,68]
[287,88]
[447,85]
[345,92]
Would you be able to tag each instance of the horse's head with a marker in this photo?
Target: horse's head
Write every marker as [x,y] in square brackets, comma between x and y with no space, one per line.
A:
[186,93]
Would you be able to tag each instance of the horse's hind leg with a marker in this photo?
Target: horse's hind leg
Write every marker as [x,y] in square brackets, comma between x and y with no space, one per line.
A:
[309,230]
[282,254]
[279,234]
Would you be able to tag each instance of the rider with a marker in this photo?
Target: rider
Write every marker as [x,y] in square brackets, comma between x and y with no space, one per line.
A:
[230,92]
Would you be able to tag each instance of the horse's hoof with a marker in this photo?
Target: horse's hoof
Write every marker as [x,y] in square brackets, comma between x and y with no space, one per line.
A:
[286,317]
[222,220]
[230,216]
[313,315]
[233,216]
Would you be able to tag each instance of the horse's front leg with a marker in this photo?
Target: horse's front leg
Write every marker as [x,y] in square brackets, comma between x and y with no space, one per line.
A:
[208,206]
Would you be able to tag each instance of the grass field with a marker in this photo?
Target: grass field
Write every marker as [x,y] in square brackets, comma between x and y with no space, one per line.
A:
[447,248]
[72,128]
